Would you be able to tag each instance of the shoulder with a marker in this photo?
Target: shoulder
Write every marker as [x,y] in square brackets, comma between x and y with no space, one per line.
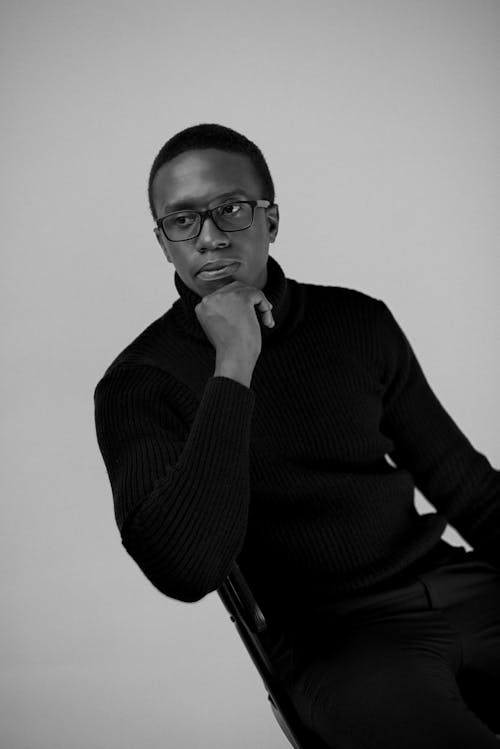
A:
[147,349]
[342,299]
[343,320]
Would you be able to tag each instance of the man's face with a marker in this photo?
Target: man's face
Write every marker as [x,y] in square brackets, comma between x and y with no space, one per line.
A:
[206,178]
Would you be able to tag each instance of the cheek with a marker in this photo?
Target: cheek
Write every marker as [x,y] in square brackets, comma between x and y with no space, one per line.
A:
[178,258]
[259,240]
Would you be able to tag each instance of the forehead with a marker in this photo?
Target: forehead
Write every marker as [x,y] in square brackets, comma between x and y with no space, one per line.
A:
[196,178]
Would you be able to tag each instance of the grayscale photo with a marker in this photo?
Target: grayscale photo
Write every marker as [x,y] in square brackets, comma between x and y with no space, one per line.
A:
[251,429]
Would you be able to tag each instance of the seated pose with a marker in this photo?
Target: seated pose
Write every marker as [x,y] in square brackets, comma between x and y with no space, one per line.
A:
[285,425]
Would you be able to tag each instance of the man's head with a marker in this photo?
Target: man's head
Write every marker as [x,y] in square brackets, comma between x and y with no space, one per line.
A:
[202,167]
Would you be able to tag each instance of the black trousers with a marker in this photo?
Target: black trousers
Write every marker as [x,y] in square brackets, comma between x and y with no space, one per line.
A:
[412,666]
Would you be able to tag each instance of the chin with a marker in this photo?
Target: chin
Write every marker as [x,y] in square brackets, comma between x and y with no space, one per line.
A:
[217,281]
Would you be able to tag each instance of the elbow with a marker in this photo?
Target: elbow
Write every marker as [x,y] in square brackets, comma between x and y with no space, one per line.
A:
[179,568]
[179,587]
[186,585]
[182,591]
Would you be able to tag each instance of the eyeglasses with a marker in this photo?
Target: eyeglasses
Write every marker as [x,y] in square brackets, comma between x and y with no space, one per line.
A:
[230,216]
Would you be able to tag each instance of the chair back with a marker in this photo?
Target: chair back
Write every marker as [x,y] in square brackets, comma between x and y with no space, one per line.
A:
[251,624]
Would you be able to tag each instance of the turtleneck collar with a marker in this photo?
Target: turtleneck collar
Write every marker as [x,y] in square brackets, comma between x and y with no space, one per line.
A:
[285,294]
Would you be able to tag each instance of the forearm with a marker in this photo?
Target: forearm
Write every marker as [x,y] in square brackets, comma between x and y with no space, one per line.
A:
[181,503]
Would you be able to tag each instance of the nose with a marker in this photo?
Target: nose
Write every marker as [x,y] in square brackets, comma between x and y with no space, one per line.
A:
[210,235]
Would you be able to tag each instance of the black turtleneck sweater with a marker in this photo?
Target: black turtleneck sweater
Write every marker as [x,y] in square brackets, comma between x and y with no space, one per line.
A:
[289,476]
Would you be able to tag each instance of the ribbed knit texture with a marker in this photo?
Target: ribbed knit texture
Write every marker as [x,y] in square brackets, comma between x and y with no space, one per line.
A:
[288,476]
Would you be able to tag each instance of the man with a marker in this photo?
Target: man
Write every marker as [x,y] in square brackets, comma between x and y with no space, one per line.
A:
[252,421]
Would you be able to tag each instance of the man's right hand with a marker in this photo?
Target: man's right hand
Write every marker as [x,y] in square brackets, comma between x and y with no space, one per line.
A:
[229,318]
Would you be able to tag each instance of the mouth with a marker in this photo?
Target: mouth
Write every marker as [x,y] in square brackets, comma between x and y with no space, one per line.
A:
[212,275]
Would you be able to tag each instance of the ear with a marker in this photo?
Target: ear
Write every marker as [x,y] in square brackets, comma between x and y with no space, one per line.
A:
[273,219]
[159,237]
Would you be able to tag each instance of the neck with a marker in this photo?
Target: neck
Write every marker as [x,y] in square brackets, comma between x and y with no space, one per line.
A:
[283,293]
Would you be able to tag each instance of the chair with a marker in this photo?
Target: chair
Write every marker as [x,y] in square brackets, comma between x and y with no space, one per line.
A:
[251,624]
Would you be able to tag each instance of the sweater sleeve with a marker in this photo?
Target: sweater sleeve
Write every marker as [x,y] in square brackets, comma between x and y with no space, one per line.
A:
[457,479]
[181,497]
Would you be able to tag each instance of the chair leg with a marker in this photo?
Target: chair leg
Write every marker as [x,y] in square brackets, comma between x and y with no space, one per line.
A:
[282,724]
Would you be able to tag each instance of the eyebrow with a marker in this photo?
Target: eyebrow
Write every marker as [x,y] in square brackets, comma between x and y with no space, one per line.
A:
[191,204]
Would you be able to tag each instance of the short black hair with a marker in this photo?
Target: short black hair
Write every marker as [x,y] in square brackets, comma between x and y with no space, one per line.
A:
[210,135]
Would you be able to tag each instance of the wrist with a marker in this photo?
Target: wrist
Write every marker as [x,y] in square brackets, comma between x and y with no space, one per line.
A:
[236,369]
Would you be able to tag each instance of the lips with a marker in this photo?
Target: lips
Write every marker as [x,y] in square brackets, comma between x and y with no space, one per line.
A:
[215,275]
[217,264]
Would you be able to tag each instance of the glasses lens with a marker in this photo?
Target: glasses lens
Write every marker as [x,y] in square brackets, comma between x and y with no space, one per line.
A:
[228,217]
[182,225]
[233,216]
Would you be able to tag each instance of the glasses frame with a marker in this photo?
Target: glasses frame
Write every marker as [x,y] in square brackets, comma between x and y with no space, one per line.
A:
[210,212]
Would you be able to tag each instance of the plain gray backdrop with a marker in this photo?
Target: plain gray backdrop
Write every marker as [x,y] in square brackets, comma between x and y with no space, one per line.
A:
[380,124]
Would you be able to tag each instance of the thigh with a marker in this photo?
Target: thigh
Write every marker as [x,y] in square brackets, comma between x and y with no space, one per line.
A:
[468,595]
[386,682]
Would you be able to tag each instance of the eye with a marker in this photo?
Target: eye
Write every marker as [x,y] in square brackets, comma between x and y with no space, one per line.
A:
[222,208]
[185,217]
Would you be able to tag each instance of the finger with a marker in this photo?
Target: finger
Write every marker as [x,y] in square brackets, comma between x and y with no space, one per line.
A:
[264,305]
[267,318]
